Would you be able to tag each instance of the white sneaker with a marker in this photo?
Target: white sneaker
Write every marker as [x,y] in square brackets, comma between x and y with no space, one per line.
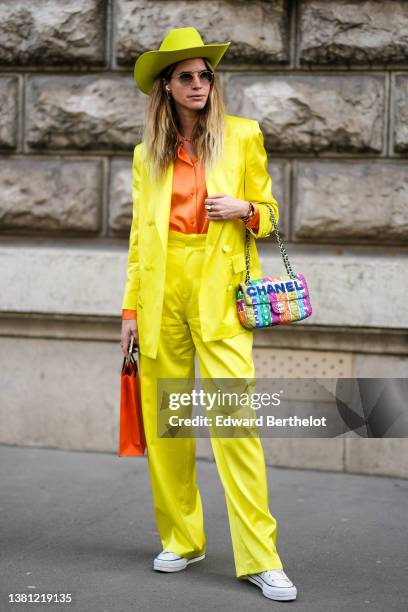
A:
[168,561]
[275,584]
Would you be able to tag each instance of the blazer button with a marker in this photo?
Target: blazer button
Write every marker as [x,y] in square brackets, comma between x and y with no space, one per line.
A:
[226,248]
[150,222]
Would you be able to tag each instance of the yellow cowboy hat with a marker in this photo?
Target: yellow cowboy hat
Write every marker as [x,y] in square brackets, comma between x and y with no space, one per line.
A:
[179,44]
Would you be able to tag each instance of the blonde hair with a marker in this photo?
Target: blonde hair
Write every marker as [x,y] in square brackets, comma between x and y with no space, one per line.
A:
[161,125]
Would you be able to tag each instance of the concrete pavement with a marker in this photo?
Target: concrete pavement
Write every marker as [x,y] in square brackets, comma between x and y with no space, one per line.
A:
[82,523]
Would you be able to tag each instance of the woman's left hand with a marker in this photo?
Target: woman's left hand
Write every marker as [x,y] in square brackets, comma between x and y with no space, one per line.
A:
[225,207]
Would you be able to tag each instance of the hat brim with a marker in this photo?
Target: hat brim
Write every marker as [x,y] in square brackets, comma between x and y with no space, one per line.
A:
[151,63]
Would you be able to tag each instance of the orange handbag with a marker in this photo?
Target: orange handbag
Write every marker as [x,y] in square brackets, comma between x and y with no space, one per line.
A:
[132,441]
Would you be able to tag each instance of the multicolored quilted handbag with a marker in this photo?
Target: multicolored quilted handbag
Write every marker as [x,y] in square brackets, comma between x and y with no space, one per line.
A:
[272,300]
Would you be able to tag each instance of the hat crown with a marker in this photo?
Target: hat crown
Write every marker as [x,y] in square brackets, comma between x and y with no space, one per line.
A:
[179,44]
[181,38]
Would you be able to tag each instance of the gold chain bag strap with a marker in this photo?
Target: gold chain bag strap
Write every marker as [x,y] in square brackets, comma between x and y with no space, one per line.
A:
[272,300]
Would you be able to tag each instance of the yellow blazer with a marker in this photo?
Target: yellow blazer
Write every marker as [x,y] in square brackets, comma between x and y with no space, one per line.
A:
[241,172]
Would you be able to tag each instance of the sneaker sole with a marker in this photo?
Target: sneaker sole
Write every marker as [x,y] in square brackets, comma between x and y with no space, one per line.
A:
[277,593]
[165,566]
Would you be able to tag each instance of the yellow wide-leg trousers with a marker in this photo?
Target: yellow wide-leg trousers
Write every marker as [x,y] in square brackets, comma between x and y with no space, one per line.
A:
[240,461]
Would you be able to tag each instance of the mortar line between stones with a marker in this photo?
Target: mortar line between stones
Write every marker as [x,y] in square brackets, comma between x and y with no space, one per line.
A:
[294,33]
[106,179]
[109,34]
[388,113]
[22,105]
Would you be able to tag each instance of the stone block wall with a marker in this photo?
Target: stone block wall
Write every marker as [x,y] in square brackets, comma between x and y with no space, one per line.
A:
[328,82]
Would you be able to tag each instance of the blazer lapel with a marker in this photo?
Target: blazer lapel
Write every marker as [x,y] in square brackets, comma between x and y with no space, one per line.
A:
[161,197]
[216,181]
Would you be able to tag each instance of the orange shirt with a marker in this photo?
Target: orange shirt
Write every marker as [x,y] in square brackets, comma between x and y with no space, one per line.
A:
[188,212]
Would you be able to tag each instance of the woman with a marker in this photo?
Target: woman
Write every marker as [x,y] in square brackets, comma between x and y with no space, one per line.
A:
[199,179]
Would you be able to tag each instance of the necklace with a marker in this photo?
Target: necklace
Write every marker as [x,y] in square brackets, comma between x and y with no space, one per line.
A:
[184,138]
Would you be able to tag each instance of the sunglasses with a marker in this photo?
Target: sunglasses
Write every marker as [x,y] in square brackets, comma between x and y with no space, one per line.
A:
[186,78]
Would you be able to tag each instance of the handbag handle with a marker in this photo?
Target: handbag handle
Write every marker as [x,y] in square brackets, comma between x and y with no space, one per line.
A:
[281,248]
[132,350]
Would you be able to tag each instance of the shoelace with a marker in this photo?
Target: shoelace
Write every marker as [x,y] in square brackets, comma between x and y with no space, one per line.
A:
[273,574]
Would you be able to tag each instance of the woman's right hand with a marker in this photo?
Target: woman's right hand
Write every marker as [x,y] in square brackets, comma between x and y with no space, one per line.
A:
[129,327]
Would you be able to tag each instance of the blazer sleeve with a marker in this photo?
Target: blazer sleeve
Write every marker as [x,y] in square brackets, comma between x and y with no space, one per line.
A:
[132,274]
[258,183]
